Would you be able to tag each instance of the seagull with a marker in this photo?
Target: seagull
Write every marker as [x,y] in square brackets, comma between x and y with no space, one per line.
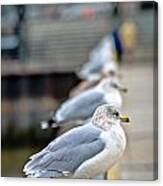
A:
[110,69]
[101,55]
[82,107]
[109,50]
[85,151]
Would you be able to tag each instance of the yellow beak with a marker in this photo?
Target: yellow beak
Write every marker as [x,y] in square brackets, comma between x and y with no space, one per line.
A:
[125,119]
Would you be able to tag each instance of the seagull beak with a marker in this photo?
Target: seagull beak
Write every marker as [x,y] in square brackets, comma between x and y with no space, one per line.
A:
[125,119]
[119,87]
[122,89]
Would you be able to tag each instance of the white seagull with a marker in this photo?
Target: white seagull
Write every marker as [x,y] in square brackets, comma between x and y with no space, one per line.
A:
[82,106]
[109,70]
[102,55]
[83,152]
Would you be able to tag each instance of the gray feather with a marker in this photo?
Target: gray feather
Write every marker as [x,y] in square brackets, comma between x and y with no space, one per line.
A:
[66,153]
[81,106]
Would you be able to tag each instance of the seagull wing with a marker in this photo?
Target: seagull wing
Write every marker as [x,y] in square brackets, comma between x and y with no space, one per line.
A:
[90,68]
[100,56]
[64,155]
[80,107]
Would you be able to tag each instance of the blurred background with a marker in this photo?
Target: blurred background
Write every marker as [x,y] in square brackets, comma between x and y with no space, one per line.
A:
[42,46]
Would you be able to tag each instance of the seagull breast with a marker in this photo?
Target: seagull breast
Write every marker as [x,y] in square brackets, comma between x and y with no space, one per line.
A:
[115,143]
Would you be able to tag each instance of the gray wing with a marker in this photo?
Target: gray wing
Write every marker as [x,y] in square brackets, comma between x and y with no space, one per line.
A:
[80,107]
[94,66]
[64,155]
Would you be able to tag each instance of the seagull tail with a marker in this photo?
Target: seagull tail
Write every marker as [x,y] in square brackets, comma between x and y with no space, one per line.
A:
[51,123]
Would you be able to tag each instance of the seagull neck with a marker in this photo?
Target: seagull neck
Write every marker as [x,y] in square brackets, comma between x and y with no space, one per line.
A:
[104,124]
[105,89]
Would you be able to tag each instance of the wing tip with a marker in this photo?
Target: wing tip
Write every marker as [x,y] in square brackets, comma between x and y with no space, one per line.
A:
[48,124]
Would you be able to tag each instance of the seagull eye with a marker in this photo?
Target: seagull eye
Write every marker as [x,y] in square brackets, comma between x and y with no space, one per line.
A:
[116,114]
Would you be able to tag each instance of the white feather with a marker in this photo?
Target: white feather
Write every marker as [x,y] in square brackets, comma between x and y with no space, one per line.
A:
[115,141]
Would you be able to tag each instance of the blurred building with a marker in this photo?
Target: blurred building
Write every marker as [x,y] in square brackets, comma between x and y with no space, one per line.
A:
[43,46]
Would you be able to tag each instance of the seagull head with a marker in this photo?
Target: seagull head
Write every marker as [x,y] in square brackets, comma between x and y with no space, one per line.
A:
[112,83]
[110,69]
[106,115]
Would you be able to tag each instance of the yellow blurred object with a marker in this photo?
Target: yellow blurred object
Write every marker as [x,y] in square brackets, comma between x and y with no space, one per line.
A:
[114,173]
[128,33]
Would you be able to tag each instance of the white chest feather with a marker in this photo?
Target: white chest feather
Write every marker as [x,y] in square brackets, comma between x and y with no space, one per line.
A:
[115,141]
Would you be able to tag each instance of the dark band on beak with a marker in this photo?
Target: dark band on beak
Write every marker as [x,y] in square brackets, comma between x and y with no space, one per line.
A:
[123,89]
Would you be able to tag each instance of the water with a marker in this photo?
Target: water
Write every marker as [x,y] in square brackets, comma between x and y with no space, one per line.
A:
[13,161]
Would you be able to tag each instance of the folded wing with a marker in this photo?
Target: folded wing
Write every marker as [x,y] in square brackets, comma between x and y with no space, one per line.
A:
[65,154]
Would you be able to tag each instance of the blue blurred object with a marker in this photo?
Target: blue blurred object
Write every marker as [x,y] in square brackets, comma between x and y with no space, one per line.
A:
[118,44]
